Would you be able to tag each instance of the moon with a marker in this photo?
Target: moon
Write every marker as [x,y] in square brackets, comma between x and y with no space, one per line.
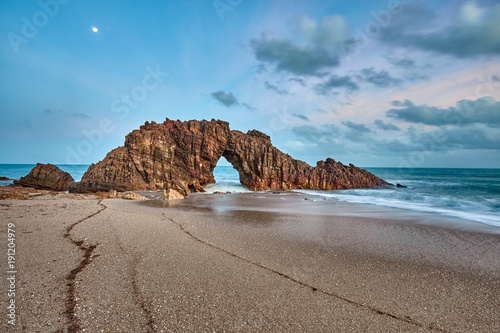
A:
[94,29]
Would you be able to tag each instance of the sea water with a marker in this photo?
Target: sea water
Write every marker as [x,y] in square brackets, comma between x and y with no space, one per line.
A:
[472,194]
[16,171]
[227,179]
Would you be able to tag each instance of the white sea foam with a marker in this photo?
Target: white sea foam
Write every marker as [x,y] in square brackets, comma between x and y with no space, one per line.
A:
[472,194]
[227,180]
[417,202]
[226,187]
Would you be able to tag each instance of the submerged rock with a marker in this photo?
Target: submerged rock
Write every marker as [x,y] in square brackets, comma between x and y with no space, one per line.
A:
[46,177]
[158,155]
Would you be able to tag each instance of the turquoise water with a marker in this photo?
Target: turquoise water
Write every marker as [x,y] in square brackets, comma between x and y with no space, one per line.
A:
[472,194]
[16,171]
[226,180]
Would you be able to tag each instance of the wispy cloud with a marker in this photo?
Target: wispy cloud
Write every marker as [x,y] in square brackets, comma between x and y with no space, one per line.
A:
[336,81]
[474,31]
[316,134]
[249,107]
[385,126]
[402,62]
[356,132]
[299,80]
[81,115]
[227,99]
[381,79]
[481,111]
[274,88]
[293,58]
[300,116]
[321,46]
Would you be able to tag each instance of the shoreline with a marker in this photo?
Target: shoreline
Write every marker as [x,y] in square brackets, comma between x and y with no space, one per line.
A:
[295,217]
[301,203]
[467,195]
[316,205]
[204,264]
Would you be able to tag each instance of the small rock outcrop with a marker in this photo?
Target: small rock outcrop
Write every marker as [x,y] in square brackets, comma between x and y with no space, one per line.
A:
[120,195]
[179,157]
[169,194]
[173,190]
[46,177]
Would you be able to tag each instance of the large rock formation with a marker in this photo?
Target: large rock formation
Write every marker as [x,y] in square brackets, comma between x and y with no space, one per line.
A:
[46,177]
[187,152]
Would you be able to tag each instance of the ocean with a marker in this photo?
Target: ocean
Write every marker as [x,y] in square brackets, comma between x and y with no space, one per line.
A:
[226,180]
[471,194]
[16,171]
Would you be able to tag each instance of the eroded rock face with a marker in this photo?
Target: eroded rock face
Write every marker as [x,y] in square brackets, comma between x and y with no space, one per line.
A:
[175,155]
[46,177]
[158,153]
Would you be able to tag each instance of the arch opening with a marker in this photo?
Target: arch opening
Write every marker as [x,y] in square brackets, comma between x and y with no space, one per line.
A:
[227,178]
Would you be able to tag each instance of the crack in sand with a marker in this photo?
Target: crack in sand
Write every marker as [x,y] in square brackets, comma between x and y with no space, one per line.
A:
[142,302]
[405,319]
[74,325]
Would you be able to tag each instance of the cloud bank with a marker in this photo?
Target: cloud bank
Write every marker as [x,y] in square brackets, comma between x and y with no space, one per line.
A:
[474,31]
[481,111]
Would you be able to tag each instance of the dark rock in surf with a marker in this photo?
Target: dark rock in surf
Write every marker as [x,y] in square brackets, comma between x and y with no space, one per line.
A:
[46,177]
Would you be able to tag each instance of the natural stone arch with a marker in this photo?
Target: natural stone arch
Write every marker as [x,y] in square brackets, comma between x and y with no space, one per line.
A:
[237,163]
[187,152]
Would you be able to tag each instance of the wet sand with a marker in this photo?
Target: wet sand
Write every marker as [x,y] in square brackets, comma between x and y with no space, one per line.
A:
[249,262]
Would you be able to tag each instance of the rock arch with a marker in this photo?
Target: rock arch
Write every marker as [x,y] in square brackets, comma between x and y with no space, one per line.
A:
[157,154]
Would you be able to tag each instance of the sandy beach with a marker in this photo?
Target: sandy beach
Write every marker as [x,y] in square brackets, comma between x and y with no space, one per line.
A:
[257,262]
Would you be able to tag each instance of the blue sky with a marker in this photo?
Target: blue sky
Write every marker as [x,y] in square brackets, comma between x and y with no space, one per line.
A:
[374,83]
